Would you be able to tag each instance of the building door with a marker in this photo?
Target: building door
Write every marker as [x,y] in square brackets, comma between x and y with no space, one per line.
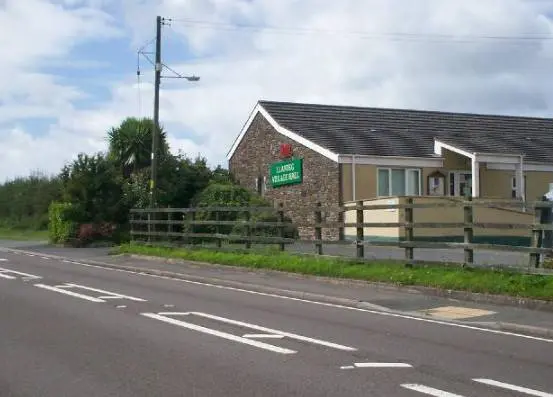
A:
[460,183]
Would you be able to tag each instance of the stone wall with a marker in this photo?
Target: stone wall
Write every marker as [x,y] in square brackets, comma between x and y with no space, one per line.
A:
[260,147]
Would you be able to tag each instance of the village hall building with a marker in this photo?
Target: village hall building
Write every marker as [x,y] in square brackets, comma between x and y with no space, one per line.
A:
[299,154]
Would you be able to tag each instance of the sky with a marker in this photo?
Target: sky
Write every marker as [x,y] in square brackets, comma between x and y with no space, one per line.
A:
[69,66]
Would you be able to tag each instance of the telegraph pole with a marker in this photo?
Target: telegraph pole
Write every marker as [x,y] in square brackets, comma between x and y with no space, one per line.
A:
[159,65]
[155,133]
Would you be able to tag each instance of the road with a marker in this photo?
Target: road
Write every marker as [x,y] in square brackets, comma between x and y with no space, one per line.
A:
[72,329]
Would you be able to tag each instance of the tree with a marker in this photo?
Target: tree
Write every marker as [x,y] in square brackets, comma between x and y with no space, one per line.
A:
[94,186]
[24,202]
[130,144]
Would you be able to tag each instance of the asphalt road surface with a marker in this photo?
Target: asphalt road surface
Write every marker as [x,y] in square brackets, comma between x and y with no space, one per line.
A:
[71,329]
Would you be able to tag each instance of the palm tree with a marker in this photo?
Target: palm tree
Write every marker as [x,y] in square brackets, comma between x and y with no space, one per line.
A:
[130,144]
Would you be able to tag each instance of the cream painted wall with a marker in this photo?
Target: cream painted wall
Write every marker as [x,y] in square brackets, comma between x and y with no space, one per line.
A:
[497,183]
[493,183]
[455,162]
[366,180]
[455,214]
[375,216]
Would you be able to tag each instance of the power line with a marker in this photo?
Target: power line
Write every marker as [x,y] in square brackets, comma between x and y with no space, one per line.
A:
[394,36]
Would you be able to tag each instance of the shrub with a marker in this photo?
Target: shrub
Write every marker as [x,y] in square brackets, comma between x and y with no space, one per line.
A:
[290,230]
[62,222]
[94,232]
[229,195]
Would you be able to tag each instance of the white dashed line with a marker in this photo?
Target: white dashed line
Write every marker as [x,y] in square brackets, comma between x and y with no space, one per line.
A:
[3,260]
[70,293]
[382,365]
[429,390]
[262,336]
[507,386]
[5,273]
[109,295]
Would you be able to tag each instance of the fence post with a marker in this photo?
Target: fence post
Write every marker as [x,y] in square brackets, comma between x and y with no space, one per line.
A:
[248,230]
[281,225]
[536,237]
[170,225]
[131,226]
[341,221]
[468,210]
[186,227]
[192,226]
[149,226]
[409,235]
[218,229]
[360,238]
[318,230]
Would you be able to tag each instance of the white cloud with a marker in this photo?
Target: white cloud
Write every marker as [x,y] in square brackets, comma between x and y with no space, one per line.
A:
[370,53]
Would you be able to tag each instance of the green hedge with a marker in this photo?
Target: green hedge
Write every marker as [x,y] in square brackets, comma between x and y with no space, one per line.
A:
[62,226]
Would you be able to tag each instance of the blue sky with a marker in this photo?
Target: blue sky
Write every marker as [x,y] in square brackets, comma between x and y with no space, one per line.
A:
[73,65]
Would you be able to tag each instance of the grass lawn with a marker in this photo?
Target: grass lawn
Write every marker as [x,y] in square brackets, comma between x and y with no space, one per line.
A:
[23,235]
[474,280]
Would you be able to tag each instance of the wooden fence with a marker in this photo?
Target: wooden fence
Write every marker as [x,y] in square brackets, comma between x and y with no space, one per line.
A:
[249,225]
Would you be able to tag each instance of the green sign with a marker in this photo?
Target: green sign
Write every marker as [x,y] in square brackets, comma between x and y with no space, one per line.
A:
[286,172]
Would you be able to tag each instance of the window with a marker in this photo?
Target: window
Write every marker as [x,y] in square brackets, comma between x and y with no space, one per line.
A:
[514,187]
[398,182]
[261,185]
[460,183]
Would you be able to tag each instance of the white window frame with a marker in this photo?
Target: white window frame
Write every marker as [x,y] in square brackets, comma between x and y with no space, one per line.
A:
[406,171]
[456,174]
[514,186]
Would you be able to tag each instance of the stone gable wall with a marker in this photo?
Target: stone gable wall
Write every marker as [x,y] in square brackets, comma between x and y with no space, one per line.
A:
[321,176]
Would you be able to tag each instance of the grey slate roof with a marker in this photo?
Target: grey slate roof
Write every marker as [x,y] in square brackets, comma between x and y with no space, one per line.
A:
[411,133]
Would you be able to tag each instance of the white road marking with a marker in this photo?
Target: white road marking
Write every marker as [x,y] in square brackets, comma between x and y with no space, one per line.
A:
[382,365]
[168,306]
[220,334]
[109,295]
[63,291]
[274,331]
[347,367]
[262,336]
[44,257]
[120,307]
[3,260]
[507,386]
[333,305]
[101,299]
[5,272]
[429,390]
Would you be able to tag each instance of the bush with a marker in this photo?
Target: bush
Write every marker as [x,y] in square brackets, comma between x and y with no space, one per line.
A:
[94,232]
[219,194]
[290,230]
[62,222]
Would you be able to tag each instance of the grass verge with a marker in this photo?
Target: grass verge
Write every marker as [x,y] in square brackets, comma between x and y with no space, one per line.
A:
[474,280]
[23,235]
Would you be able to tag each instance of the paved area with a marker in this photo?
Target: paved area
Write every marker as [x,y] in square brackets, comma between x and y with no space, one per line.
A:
[481,257]
[79,330]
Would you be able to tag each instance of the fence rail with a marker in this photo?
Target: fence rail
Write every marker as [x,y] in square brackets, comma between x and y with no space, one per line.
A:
[269,225]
